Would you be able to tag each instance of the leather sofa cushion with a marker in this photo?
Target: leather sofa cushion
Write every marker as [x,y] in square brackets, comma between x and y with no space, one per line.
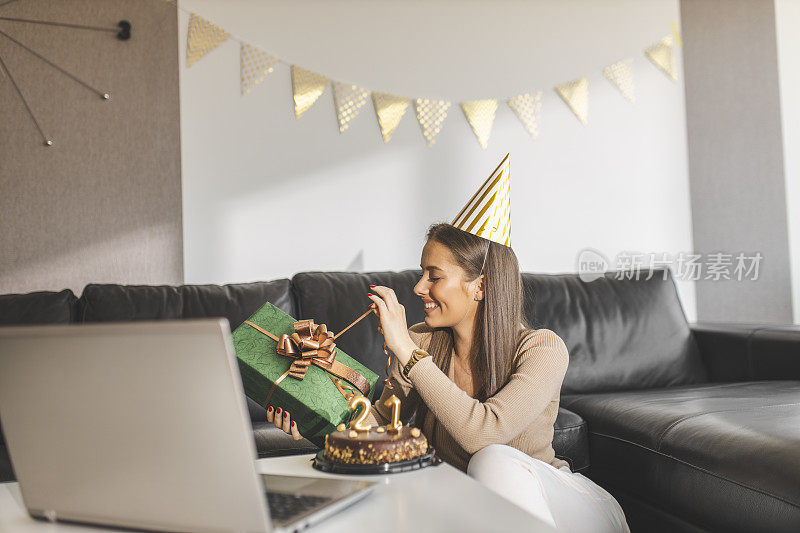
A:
[236,302]
[117,303]
[338,298]
[271,441]
[42,307]
[730,448]
[621,333]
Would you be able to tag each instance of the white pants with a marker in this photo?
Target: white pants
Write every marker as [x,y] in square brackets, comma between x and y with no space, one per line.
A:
[568,501]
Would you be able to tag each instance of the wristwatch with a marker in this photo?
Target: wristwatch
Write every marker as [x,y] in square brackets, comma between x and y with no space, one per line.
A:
[416,355]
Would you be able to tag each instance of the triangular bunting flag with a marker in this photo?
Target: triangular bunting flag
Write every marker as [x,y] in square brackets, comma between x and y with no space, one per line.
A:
[480,114]
[661,56]
[620,75]
[527,108]
[203,37]
[349,100]
[431,114]
[307,87]
[390,109]
[254,64]
[575,94]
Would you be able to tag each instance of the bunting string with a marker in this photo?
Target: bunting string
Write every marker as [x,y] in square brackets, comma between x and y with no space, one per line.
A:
[350,99]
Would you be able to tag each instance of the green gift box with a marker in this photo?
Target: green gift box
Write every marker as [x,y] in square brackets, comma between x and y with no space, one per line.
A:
[303,384]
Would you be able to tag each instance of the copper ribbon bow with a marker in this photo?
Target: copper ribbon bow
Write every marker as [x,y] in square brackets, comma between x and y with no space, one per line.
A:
[313,344]
[313,341]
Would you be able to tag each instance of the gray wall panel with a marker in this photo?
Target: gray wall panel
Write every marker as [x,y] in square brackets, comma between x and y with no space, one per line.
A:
[735,154]
[103,203]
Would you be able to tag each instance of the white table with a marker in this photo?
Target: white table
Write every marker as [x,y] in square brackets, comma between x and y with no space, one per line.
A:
[439,498]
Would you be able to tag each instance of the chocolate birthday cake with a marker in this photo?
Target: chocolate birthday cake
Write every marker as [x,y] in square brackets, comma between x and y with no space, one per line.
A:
[375,446]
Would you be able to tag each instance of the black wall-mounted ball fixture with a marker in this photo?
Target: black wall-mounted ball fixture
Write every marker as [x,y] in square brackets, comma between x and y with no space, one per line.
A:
[125,31]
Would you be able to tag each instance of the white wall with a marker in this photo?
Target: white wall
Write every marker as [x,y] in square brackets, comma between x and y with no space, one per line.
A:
[266,195]
[787,19]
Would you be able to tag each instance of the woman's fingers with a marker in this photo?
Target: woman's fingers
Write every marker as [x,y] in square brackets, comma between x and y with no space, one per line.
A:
[390,300]
[283,421]
[287,421]
[386,293]
[383,311]
[295,431]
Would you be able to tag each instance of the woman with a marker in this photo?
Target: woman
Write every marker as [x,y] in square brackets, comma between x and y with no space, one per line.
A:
[487,396]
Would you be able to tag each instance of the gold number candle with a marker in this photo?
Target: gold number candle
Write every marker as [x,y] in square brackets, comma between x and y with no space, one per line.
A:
[358,423]
[395,425]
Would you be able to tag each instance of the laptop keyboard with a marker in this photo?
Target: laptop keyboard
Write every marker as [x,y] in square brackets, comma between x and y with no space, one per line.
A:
[284,506]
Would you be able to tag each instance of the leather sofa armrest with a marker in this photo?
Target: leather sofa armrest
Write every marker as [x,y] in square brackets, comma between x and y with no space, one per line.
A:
[571,439]
[748,352]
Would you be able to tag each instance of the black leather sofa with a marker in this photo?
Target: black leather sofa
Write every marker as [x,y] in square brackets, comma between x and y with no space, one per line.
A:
[692,427]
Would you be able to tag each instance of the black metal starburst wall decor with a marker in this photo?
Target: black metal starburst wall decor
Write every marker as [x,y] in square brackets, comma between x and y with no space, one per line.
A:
[122,31]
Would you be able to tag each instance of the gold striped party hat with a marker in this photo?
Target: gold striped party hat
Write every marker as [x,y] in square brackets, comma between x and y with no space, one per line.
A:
[488,212]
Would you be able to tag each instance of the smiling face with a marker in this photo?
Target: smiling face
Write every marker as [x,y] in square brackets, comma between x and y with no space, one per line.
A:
[448,297]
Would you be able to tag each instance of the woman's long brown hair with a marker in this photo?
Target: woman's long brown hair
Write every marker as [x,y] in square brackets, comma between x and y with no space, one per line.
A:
[499,322]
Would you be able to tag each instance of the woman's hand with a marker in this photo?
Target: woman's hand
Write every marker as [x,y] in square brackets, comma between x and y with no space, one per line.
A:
[283,421]
[393,322]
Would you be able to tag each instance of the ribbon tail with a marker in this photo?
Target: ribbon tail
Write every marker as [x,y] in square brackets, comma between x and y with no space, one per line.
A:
[341,370]
[272,389]
[346,390]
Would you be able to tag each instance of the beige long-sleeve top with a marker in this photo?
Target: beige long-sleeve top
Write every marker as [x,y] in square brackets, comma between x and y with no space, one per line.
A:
[521,414]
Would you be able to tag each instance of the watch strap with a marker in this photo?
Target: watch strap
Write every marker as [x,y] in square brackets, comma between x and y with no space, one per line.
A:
[416,355]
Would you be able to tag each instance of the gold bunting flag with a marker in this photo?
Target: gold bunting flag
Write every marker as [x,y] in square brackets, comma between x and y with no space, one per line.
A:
[203,38]
[619,74]
[349,100]
[480,114]
[307,87]
[488,212]
[431,114]
[527,108]
[575,94]
[661,56]
[254,64]
[390,110]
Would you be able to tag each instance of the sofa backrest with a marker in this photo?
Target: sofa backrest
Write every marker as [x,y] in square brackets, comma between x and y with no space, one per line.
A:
[236,302]
[622,333]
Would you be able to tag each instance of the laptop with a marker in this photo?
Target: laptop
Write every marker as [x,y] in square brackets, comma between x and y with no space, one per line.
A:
[144,425]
